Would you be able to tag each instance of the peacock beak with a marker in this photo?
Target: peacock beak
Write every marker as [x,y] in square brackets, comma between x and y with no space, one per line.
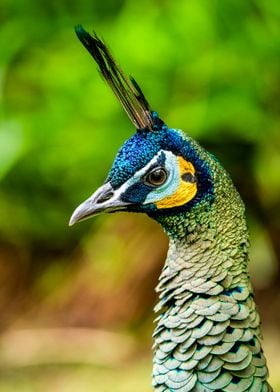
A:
[105,199]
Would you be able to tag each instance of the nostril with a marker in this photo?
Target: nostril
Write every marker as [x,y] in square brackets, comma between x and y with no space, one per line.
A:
[104,197]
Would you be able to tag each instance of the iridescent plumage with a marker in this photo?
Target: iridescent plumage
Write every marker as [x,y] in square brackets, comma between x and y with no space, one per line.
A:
[208,330]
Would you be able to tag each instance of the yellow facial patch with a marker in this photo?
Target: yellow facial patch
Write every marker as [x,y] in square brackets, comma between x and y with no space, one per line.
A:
[185,191]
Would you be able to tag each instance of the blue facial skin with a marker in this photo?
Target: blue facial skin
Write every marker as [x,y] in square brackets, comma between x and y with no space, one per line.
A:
[140,149]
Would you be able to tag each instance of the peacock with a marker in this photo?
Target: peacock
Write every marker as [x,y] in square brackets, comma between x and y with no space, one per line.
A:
[207,336]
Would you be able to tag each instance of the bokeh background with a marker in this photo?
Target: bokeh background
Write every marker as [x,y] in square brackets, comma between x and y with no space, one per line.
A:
[76,303]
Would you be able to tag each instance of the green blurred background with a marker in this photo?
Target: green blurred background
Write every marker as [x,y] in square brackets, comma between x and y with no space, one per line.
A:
[76,303]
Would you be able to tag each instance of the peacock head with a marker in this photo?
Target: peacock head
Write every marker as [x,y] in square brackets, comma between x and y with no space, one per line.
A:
[159,170]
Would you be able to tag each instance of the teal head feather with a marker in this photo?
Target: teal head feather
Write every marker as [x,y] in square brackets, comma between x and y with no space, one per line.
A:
[153,150]
[208,334]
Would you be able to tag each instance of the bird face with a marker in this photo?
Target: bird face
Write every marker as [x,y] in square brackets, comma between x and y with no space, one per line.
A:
[158,172]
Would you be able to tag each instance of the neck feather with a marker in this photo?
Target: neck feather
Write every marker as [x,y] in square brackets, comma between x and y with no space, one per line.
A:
[208,335]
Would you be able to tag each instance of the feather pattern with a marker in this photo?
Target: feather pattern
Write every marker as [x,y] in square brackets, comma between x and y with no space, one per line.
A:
[206,303]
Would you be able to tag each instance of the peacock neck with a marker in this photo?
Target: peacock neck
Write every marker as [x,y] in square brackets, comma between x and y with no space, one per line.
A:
[208,335]
[206,258]
[208,245]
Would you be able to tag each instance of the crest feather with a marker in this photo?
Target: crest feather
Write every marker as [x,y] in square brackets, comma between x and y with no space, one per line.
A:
[126,90]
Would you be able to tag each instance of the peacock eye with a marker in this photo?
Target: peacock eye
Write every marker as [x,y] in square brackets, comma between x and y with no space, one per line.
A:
[156,177]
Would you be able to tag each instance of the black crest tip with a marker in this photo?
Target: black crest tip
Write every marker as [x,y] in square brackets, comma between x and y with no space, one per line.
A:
[126,90]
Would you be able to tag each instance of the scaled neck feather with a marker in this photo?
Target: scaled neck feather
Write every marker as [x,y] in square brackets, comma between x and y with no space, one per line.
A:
[208,336]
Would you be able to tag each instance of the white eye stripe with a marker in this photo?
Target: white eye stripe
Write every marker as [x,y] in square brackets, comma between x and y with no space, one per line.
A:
[153,162]
[171,184]
[139,174]
[168,188]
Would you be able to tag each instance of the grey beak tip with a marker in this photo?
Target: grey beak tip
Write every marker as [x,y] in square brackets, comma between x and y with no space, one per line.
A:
[72,221]
[75,217]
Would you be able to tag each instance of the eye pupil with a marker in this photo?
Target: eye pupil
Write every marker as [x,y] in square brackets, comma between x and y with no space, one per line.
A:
[156,177]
